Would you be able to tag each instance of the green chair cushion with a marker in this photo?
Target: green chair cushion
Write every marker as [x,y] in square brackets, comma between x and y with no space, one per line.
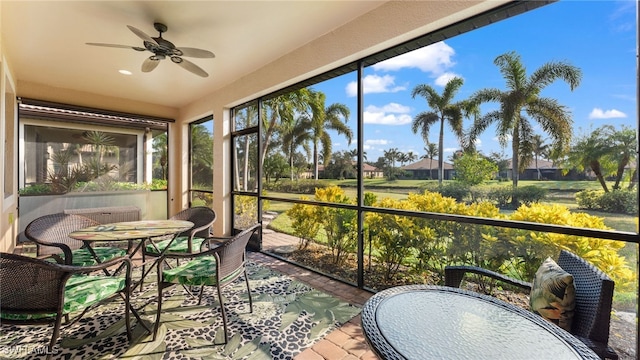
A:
[179,245]
[80,292]
[197,272]
[82,257]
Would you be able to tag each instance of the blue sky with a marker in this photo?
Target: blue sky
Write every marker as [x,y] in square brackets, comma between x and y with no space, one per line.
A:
[599,37]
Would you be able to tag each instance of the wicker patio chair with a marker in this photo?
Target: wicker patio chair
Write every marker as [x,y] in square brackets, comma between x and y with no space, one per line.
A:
[51,235]
[218,266]
[188,241]
[593,297]
[36,291]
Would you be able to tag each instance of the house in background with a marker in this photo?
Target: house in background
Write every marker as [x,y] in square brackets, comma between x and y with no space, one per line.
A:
[371,172]
[426,169]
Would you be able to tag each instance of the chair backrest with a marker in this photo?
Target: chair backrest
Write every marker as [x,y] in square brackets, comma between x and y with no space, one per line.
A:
[594,294]
[55,228]
[202,218]
[231,254]
[29,285]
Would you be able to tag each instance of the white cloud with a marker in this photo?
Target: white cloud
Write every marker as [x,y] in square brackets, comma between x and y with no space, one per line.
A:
[390,114]
[373,142]
[435,59]
[598,113]
[443,79]
[390,107]
[375,84]
[386,119]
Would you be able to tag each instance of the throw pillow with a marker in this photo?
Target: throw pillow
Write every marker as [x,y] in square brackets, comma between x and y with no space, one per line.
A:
[553,294]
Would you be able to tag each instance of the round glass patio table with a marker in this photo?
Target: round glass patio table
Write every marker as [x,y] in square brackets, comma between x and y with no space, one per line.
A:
[144,231]
[131,230]
[435,322]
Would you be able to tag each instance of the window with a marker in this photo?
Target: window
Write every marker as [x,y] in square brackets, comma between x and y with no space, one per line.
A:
[66,148]
[201,162]
[414,191]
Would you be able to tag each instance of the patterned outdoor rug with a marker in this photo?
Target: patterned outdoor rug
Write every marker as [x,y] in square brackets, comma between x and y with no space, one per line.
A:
[288,316]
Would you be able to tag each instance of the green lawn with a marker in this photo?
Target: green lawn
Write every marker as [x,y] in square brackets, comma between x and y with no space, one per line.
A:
[560,192]
[549,185]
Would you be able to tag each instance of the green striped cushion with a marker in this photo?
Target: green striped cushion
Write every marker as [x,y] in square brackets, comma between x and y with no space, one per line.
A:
[201,271]
[81,291]
[82,257]
[179,245]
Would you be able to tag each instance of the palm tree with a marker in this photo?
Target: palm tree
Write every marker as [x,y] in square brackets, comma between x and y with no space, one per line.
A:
[323,118]
[442,109]
[431,150]
[539,148]
[391,156]
[201,156]
[245,118]
[296,134]
[521,103]
[161,153]
[624,144]
[281,110]
[591,152]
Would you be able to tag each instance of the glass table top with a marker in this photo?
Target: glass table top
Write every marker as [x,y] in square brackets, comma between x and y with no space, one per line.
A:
[441,325]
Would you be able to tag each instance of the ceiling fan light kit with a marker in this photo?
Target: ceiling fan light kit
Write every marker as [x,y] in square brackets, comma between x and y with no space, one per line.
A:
[162,48]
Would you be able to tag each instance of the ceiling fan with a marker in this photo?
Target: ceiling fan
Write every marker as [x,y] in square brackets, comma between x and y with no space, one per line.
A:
[162,49]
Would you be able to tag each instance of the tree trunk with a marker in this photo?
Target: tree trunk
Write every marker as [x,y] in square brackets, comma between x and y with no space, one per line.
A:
[620,172]
[595,166]
[634,179]
[515,173]
[441,153]
[315,160]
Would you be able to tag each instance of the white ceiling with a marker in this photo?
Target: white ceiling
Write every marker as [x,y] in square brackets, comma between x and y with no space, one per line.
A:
[45,41]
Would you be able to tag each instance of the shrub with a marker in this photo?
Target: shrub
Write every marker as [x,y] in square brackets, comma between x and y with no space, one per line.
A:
[456,190]
[304,222]
[36,189]
[529,194]
[616,201]
[588,199]
[393,236]
[158,184]
[501,196]
[296,186]
[619,201]
[339,224]
[530,248]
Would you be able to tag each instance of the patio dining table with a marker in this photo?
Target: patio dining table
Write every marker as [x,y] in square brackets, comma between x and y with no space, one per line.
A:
[145,231]
[436,322]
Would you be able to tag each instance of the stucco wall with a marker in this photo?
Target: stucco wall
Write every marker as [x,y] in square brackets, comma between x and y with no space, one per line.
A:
[8,206]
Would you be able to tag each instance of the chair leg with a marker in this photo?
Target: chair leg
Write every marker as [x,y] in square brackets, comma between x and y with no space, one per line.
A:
[56,334]
[157,324]
[246,279]
[127,320]
[224,313]
[143,267]
[200,295]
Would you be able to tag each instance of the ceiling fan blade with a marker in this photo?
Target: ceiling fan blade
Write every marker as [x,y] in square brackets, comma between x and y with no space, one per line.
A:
[141,34]
[118,46]
[196,53]
[149,64]
[189,66]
